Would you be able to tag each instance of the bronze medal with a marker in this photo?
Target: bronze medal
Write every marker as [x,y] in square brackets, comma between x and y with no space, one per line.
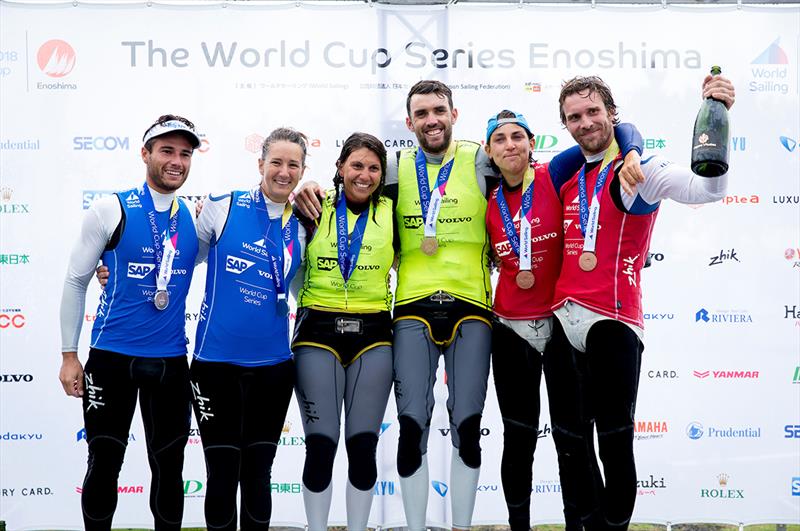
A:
[525,279]
[429,245]
[588,261]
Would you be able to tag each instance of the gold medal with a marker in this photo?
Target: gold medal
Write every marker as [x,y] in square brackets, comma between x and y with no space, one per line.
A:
[587,261]
[429,245]
[525,279]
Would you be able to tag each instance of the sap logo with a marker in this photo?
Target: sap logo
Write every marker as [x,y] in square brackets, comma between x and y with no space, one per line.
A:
[384,427]
[694,430]
[789,143]
[90,196]
[100,143]
[384,488]
[412,222]
[440,488]
[192,487]
[327,263]
[662,374]
[12,378]
[503,249]
[237,265]
[138,270]
[792,431]
[795,486]
[486,488]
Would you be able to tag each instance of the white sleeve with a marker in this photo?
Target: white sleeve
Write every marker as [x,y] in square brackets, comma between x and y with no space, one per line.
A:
[211,221]
[300,275]
[666,180]
[98,226]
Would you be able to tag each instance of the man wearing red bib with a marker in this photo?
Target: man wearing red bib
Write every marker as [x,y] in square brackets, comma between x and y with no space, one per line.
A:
[593,379]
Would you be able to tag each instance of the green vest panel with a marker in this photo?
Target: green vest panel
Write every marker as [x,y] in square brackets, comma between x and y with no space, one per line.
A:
[368,288]
[460,266]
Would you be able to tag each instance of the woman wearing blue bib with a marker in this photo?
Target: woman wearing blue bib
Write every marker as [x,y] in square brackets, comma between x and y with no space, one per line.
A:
[242,373]
[343,335]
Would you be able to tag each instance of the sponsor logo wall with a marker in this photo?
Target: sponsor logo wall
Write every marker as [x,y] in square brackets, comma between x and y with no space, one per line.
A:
[721,310]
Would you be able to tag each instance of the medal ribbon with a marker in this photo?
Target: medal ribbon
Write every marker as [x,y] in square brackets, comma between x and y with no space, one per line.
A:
[280,263]
[431,202]
[589,215]
[520,244]
[164,251]
[348,253]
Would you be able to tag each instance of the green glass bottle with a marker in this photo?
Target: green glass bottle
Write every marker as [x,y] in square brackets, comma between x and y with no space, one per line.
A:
[711,137]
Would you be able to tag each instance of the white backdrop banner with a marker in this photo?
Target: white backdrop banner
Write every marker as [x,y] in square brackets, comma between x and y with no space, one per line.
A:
[718,430]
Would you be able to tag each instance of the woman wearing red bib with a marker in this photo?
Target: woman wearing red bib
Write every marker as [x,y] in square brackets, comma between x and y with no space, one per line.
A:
[524,221]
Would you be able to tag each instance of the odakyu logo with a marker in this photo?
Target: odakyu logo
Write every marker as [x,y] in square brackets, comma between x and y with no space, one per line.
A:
[56,58]
[770,70]
[15,436]
[695,430]
[384,488]
[440,488]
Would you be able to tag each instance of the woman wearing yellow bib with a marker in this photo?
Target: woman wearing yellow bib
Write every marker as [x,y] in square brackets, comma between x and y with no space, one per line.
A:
[343,336]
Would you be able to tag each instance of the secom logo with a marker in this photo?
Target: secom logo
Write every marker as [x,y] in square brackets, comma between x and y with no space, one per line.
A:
[56,58]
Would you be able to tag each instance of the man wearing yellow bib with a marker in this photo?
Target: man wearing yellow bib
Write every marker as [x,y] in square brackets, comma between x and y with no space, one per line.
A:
[443,298]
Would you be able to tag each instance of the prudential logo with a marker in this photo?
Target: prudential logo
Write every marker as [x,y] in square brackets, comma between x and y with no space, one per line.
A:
[56,58]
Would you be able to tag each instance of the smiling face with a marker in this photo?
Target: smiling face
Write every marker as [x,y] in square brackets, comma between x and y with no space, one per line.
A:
[588,121]
[510,149]
[168,162]
[361,174]
[281,170]
[431,119]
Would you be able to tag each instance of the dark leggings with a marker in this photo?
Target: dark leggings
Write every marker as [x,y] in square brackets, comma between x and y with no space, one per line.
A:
[112,382]
[595,390]
[240,412]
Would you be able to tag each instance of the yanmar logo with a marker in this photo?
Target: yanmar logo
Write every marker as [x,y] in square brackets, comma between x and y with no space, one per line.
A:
[56,58]
[726,375]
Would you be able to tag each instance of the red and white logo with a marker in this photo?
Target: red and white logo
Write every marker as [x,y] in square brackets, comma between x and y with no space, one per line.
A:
[56,58]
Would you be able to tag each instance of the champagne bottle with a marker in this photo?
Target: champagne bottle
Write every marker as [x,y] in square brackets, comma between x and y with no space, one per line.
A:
[711,137]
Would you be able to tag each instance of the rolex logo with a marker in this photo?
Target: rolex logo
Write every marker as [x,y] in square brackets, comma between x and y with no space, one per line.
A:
[723,479]
[287,427]
[5,193]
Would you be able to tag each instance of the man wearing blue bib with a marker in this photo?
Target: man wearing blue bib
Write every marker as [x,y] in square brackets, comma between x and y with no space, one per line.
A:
[146,237]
